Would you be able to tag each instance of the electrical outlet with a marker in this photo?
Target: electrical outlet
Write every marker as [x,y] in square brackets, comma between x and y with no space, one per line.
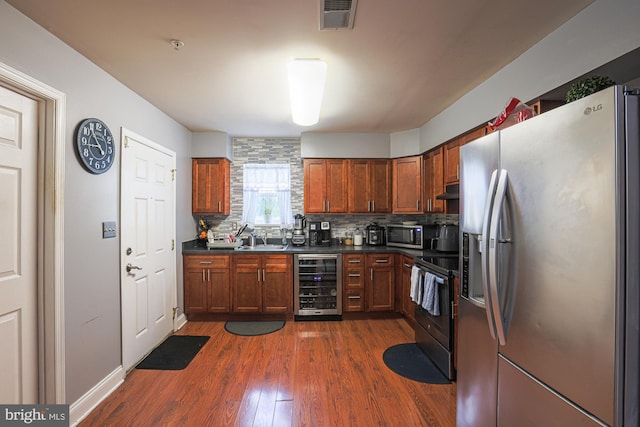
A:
[108,229]
[234,225]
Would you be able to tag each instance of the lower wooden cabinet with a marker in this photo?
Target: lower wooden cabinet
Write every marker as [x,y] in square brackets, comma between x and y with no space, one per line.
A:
[262,284]
[408,307]
[353,275]
[380,284]
[368,282]
[206,284]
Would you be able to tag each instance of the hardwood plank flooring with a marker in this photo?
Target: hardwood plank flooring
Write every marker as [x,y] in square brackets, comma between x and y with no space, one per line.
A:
[306,374]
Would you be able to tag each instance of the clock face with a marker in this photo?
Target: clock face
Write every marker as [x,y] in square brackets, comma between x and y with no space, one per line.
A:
[95,145]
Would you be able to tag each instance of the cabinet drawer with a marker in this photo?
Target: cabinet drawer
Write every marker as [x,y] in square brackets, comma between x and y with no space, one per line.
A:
[353,278]
[353,301]
[352,260]
[206,261]
[381,260]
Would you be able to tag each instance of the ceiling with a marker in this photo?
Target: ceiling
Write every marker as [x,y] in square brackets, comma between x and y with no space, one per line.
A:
[401,64]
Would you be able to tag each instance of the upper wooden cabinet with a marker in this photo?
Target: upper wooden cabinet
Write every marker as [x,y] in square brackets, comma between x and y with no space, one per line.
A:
[434,180]
[369,188]
[474,134]
[211,186]
[452,162]
[452,154]
[407,185]
[325,185]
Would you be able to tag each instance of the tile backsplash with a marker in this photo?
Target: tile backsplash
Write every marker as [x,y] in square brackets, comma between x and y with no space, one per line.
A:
[287,150]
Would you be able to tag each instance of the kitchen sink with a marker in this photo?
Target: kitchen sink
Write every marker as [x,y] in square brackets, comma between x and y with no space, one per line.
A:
[267,247]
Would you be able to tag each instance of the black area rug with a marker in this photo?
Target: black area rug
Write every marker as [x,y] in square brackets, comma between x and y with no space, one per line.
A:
[175,353]
[253,328]
[410,362]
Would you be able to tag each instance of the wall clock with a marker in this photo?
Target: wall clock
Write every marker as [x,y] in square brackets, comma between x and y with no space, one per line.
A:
[95,145]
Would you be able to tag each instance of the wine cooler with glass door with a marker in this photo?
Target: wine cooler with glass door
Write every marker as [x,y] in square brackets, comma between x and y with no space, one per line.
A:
[318,285]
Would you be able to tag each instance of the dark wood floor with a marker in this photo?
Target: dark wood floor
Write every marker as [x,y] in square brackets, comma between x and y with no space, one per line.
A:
[306,374]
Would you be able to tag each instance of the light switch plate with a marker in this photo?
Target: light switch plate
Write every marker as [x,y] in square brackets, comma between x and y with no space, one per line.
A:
[108,229]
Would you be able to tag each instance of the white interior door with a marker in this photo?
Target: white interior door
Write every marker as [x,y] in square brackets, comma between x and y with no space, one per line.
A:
[18,246]
[147,242]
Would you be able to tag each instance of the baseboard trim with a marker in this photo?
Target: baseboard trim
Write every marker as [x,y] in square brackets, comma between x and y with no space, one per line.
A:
[181,320]
[87,403]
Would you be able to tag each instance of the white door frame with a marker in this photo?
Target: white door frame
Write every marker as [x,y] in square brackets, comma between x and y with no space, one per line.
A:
[125,134]
[50,202]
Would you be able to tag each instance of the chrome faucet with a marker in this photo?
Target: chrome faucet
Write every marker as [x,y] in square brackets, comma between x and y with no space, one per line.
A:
[262,237]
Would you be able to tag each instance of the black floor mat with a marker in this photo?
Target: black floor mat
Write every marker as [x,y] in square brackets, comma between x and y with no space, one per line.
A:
[175,353]
[254,328]
[410,362]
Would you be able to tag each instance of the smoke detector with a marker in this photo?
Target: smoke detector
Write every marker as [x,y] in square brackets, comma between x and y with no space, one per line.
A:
[337,14]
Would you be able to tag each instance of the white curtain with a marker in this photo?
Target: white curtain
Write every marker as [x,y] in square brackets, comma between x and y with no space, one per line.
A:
[261,179]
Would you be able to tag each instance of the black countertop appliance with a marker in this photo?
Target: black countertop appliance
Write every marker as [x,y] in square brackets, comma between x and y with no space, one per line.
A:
[319,233]
[375,234]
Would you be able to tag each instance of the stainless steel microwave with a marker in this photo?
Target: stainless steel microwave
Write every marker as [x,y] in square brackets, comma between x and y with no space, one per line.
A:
[405,236]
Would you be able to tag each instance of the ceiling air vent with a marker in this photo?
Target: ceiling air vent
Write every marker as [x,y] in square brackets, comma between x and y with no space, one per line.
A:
[337,14]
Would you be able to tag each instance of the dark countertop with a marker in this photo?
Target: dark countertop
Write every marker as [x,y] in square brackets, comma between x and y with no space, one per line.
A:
[192,247]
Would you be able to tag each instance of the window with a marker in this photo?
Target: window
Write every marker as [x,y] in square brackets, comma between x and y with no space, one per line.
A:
[266,194]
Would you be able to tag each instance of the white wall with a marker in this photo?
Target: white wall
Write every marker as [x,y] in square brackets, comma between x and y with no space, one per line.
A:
[344,145]
[605,30]
[405,143]
[92,264]
[211,144]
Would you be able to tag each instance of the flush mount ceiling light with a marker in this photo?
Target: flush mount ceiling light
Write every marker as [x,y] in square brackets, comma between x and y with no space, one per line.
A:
[306,87]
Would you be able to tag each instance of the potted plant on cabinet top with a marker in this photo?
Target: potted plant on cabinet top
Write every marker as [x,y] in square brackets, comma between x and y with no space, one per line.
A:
[588,86]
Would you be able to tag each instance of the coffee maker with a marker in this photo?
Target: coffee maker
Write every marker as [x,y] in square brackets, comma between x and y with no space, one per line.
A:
[319,233]
[299,223]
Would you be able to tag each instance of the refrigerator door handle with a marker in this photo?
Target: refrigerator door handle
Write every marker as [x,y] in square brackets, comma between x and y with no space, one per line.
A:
[494,242]
[484,253]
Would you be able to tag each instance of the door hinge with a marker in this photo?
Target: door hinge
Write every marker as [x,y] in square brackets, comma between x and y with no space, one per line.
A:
[173,174]
[173,245]
[126,142]
[175,310]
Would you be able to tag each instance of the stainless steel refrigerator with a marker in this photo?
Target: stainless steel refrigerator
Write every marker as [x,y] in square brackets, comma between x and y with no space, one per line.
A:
[549,299]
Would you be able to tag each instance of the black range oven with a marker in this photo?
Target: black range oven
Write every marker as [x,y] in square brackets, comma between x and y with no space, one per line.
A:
[434,327]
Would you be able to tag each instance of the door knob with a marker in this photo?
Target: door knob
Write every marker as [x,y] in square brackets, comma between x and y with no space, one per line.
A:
[132,267]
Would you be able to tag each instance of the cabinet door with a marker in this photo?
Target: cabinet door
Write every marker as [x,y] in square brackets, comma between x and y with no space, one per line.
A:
[210,186]
[407,185]
[434,180]
[452,162]
[277,284]
[358,188]
[407,304]
[380,187]
[195,290]
[353,278]
[475,134]
[336,186]
[315,185]
[380,289]
[218,293]
[247,276]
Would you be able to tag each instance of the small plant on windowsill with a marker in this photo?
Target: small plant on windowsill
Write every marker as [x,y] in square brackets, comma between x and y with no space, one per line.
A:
[268,205]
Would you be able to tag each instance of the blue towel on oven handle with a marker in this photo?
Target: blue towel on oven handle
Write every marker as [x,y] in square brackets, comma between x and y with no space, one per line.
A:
[430,297]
